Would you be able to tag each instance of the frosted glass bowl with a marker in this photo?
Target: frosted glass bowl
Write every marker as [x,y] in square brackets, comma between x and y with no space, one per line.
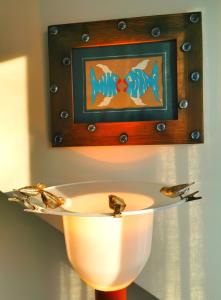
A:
[109,252]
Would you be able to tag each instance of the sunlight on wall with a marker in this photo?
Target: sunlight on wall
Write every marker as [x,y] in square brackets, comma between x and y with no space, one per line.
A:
[172,280]
[14,149]
[71,286]
[196,241]
[167,161]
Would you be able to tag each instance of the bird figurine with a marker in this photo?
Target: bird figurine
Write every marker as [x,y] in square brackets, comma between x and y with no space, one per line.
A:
[117,204]
[16,196]
[24,195]
[179,190]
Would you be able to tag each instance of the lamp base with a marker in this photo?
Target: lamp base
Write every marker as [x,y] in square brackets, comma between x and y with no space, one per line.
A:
[115,295]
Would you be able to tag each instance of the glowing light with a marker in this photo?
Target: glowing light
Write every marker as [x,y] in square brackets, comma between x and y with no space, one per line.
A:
[117,155]
[107,252]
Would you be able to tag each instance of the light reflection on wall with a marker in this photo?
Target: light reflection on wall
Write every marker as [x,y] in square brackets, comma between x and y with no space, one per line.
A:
[71,286]
[166,173]
[14,119]
[197,276]
[116,155]
[172,283]
[172,276]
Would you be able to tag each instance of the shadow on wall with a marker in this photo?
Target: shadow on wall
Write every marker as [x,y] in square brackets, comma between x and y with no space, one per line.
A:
[33,259]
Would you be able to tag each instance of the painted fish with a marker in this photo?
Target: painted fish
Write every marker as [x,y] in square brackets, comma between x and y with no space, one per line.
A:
[106,85]
[137,83]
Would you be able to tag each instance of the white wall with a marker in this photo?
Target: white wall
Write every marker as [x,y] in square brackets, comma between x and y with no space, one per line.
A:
[33,261]
[185,261]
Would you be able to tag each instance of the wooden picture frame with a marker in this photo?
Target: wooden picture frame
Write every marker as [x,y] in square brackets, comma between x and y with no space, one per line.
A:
[85,111]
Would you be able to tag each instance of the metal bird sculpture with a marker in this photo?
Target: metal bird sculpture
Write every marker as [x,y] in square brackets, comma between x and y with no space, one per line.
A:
[24,195]
[117,204]
[180,190]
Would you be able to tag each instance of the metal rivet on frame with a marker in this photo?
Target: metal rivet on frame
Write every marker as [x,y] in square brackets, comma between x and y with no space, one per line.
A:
[183,104]
[85,37]
[195,76]
[53,30]
[155,32]
[186,47]
[53,88]
[91,128]
[66,61]
[161,127]
[58,139]
[194,18]
[64,114]
[195,135]
[123,138]
[122,25]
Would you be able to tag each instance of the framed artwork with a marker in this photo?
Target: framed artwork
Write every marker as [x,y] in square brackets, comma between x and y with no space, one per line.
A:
[131,81]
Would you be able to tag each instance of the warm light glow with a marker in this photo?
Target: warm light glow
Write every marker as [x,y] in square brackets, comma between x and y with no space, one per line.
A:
[116,155]
[107,252]
[14,123]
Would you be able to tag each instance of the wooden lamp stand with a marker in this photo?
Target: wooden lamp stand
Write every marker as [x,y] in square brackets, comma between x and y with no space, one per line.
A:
[115,295]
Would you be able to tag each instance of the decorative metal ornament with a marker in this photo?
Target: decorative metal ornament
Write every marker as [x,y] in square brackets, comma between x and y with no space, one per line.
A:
[91,128]
[53,88]
[64,114]
[122,25]
[53,30]
[155,32]
[161,127]
[85,37]
[194,18]
[25,194]
[180,190]
[66,61]
[58,139]
[195,76]
[123,138]
[176,190]
[195,135]
[117,204]
[186,47]
[183,104]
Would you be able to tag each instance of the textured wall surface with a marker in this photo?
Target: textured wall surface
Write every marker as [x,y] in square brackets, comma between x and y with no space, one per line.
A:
[185,261]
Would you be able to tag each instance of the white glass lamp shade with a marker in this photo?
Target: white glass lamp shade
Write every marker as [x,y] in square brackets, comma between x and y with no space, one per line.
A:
[109,252]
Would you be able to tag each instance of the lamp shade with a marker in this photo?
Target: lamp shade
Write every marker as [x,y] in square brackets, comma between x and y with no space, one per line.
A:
[109,252]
